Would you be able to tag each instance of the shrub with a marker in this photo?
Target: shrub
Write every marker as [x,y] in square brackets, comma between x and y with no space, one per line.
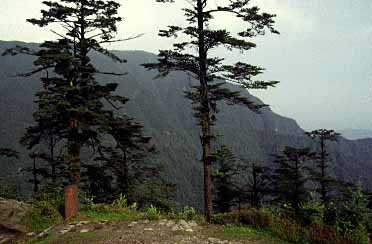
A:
[133,206]
[43,215]
[312,212]
[288,229]
[86,202]
[225,218]
[52,194]
[256,218]
[320,234]
[187,213]
[121,202]
[218,219]
[9,191]
[152,213]
[355,218]
[358,235]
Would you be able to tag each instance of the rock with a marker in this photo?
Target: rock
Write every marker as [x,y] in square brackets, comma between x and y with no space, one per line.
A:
[146,221]
[81,223]
[189,230]
[170,223]
[84,231]
[148,229]
[184,224]
[68,228]
[31,234]
[177,228]
[64,231]
[12,215]
[193,223]
[162,222]
[214,240]
[132,224]
[44,232]
[98,226]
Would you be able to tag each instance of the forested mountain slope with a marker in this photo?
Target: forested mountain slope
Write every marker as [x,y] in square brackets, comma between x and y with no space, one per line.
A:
[167,116]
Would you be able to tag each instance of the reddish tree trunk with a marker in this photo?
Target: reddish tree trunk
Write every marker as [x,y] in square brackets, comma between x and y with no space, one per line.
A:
[71,201]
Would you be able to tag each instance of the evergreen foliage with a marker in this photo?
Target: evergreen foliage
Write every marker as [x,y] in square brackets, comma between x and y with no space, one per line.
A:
[321,175]
[71,106]
[224,175]
[258,183]
[211,72]
[289,177]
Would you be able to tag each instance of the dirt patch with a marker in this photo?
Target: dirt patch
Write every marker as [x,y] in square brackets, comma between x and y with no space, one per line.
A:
[136,232]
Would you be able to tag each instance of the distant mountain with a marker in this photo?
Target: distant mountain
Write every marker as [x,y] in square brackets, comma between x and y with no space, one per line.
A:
[356,134]
[167,116]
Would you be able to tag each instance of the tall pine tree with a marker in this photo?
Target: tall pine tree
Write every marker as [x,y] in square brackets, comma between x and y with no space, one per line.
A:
[211,72]
[321,175]
[80,101]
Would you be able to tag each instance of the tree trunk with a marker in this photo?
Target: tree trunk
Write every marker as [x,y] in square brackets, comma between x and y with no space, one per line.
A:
[323,173]
[74,151]
[34,172]
[205,116]
[54,175]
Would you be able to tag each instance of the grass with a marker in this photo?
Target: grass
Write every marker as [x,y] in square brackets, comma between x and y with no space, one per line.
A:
[235,232]
[113,216]
[42,216]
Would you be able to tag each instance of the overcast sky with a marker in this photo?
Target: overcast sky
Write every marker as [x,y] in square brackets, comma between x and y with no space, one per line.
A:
[323,56]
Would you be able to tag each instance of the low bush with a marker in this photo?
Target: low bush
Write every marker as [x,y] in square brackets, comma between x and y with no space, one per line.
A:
[187,213]
[152,213]
[42,216]
[257,218]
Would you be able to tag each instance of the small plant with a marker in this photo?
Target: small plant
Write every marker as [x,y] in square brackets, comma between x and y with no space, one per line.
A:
[8,191]
[152,213]
[312,212]
[86,202]
[121,202]
[133,206]
[218,219]
[188,213]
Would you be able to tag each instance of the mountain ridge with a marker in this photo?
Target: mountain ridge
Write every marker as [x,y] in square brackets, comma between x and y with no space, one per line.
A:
[167,116]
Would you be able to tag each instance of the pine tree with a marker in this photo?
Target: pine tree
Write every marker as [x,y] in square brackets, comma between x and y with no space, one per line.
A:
[125,159]
[73,90]
[258,184]
[210,71]
[224,176]
[38,172]
[327,183]
[48,129]
[9,191]
[289,177]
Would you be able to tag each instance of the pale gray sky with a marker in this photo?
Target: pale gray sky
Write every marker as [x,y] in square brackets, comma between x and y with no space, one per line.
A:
[323,56]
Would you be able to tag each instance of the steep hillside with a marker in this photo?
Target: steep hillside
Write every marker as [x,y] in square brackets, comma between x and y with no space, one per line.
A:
[166,114]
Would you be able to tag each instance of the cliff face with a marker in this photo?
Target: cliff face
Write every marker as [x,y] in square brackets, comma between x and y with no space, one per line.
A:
[167,116]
